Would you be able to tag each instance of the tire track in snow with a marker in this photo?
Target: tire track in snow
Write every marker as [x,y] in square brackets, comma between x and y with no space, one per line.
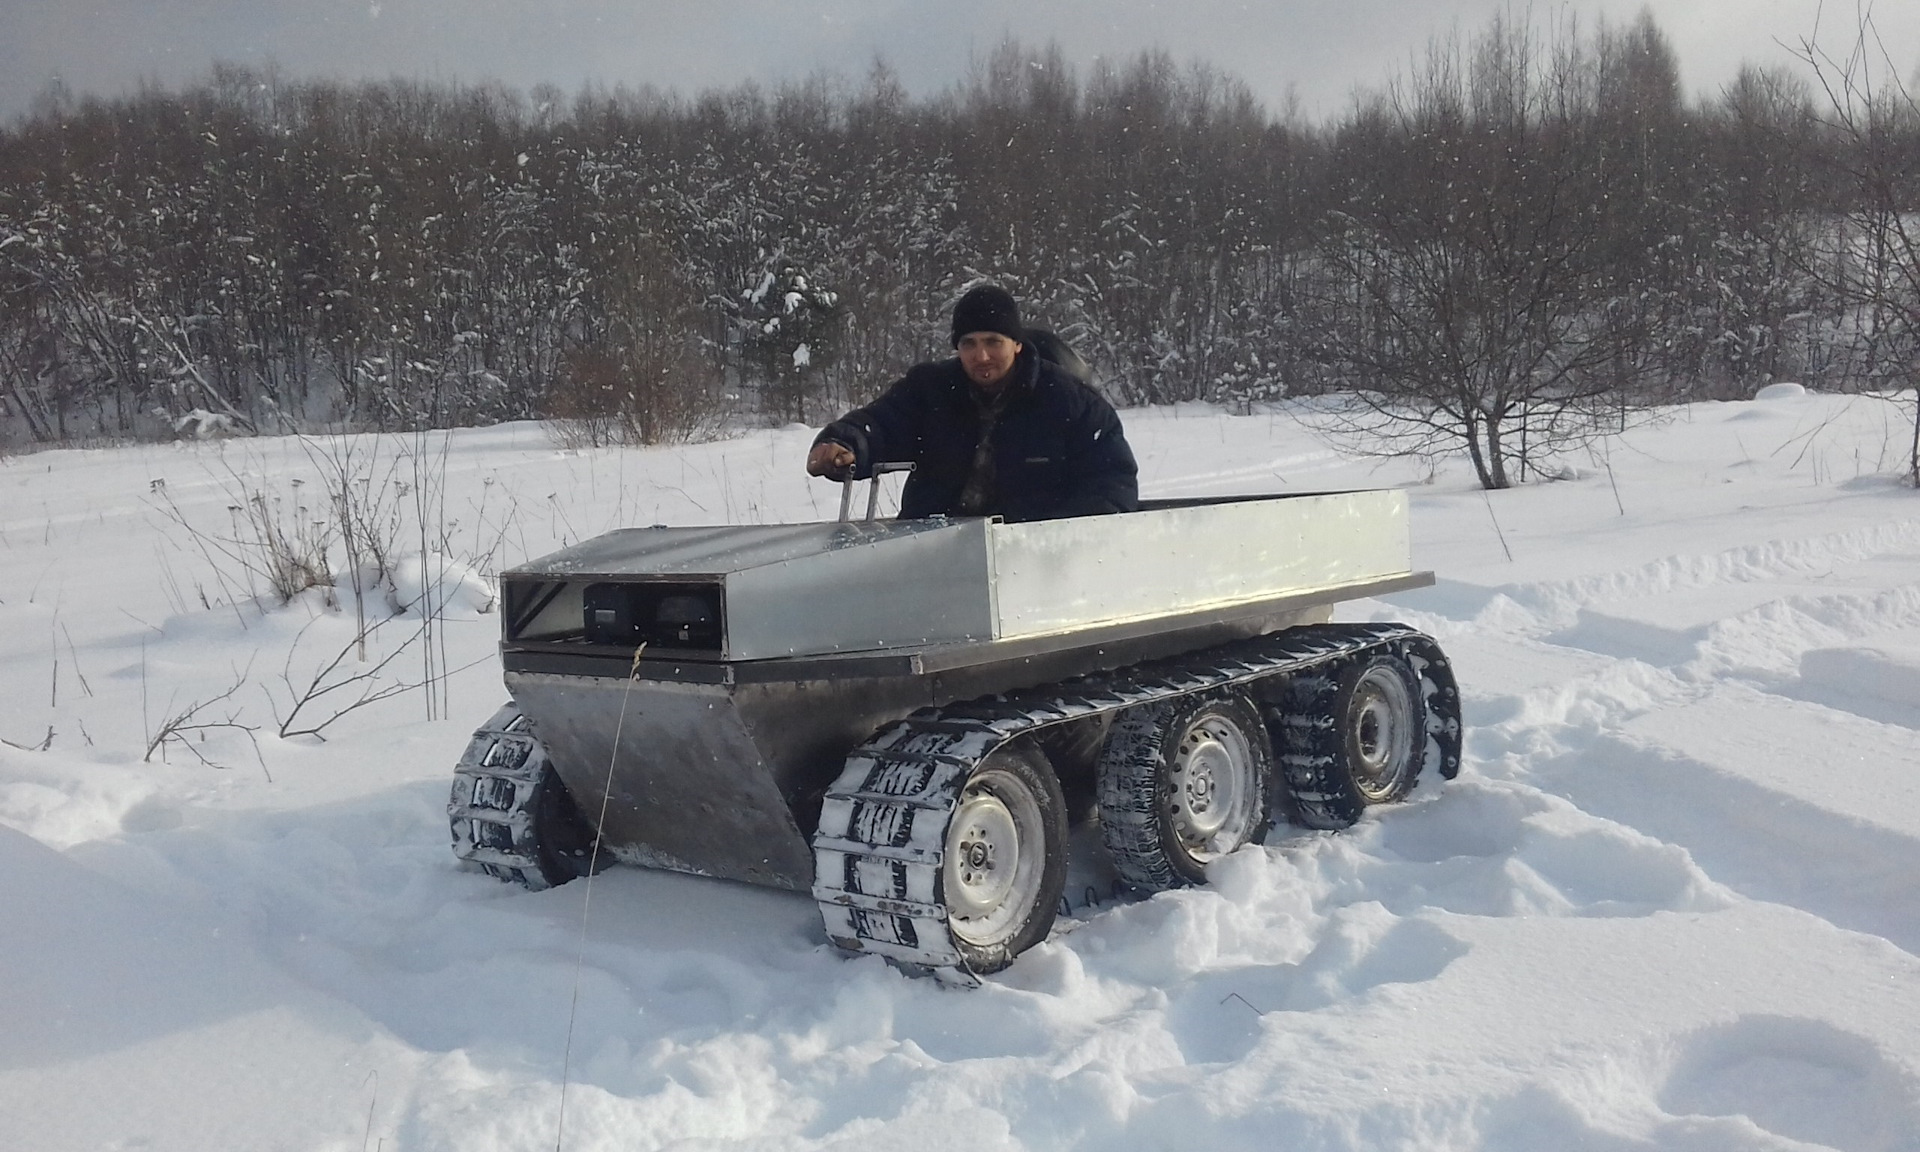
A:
[1685,753]
[1556,603]
[1756,840]
[1767,644]
[1683,733]
[1800,1083]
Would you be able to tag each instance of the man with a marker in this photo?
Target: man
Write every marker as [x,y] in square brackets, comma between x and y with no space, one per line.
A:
[995,431]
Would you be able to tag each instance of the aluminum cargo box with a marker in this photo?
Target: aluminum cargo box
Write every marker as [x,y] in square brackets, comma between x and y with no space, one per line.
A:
[821,589]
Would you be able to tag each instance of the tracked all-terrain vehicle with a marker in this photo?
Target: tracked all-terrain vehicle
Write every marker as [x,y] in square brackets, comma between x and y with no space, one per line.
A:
[893,715]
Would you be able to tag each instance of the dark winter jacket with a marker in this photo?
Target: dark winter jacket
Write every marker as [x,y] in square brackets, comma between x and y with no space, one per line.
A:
[1057,446]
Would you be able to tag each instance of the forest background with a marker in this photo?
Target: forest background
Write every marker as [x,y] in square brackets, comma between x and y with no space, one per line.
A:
[1527,238]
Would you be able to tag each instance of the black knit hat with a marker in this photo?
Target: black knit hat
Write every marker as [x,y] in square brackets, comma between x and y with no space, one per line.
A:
[987,308]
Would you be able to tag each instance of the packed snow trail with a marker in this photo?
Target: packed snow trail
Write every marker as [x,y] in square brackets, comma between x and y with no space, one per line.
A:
[1667,905]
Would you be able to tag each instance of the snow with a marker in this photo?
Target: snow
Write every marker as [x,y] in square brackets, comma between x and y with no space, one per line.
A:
[1669,903]
[200,424]
[435,584]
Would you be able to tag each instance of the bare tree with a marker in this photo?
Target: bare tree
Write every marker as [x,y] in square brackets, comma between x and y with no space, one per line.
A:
[1759,315]
[1873,256]
[1469,294]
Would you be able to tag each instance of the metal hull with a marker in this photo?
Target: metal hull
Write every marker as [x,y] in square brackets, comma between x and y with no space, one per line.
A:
[706,778]
[712,757]
[724,779]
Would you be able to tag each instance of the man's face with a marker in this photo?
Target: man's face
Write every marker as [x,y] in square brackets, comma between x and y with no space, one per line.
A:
[987,357]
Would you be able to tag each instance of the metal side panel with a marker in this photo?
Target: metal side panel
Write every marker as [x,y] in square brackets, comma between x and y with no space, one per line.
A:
[690,789]
[1056,575]
[903,590]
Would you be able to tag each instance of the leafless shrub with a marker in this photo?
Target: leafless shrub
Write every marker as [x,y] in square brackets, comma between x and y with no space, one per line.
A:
[337,689]
[287,539]
[613,395]
[186,728]
[364,496]
[276,539]
[41,747]
[334,687]
[584,404]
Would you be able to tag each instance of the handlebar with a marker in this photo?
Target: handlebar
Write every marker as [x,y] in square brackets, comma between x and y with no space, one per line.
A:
[873,492]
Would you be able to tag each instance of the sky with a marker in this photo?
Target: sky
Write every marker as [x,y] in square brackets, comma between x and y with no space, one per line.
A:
[1312,53]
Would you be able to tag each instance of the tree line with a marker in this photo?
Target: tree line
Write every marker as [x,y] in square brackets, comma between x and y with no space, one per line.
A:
[1525,237]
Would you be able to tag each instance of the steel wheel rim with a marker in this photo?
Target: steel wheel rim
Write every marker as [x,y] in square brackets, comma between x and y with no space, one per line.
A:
[994,859]
[1382,733]
[1210,789]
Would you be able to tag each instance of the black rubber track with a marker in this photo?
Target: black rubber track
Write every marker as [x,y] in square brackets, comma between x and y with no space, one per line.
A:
[879,848]
[1138,788]
[510,814]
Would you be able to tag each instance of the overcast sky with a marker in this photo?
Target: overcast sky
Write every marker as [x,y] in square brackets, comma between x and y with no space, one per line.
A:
[1318,51]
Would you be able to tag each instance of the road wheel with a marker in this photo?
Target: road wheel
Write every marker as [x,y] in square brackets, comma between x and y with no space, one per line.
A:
[1005,859]
[1355,737]
[1183,782]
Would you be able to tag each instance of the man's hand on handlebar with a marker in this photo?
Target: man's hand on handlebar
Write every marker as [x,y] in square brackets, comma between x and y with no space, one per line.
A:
[834,461]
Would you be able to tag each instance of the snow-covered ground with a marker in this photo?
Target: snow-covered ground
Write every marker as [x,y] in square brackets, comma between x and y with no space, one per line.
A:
[1673,900]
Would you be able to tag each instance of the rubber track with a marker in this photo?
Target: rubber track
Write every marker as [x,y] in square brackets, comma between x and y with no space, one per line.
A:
[882,833]
[1308,754]
[491,809]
